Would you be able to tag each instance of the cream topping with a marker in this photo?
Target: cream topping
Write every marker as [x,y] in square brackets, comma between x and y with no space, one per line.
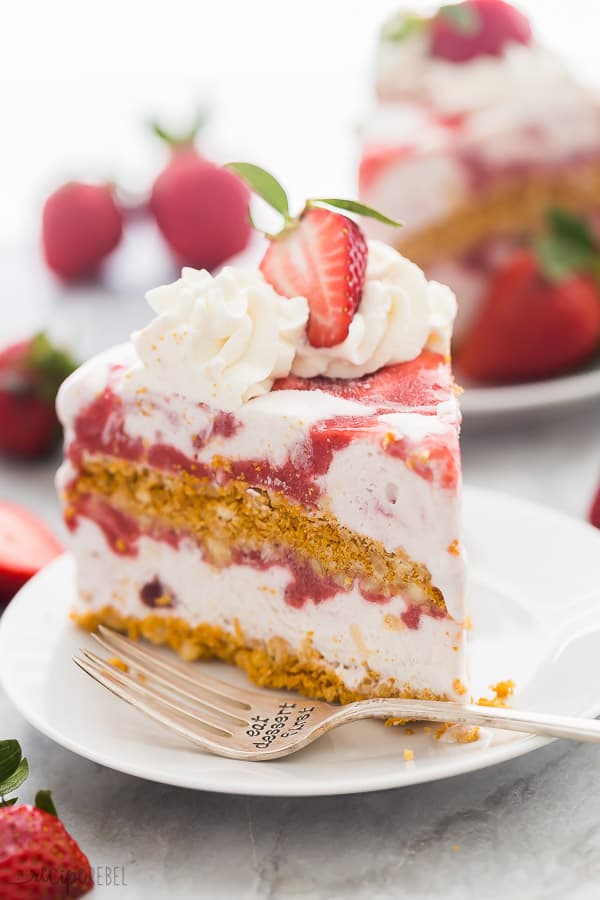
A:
[405,68]
[400,313]
[220,340]
[223,340]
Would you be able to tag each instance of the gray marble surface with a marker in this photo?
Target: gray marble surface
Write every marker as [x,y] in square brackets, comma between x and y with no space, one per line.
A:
[529,828]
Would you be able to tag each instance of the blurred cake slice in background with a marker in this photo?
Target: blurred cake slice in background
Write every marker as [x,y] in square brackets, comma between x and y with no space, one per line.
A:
[478,131]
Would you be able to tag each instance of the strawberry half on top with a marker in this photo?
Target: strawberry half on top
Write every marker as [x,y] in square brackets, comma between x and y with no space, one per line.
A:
[320,254]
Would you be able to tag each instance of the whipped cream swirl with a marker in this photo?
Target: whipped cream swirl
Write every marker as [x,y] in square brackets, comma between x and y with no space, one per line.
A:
[219,340]
[400,313]
[224,340]
[406,69]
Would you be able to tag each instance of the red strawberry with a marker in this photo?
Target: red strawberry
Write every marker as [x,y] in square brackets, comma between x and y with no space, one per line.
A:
[39,858]
[30,374]
[320,255]
[529,328]
[200,208]
[595,510]
[81,225]
[462,31]
[323,258]
[26,545]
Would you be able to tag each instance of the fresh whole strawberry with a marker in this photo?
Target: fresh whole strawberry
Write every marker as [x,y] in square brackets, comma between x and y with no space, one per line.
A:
[31,372]
[38,857]
[542,314]
[26,545]
[200,208]
[81,226]
[320,255]
[463,31]
[595,510]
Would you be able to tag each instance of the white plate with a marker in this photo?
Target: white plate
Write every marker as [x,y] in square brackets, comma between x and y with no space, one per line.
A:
[535,590]
[540,397]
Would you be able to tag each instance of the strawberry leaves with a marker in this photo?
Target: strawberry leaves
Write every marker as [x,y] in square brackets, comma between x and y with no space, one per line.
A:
[463,18]
[354,206]
[51,363]
[568,248]
[44,801]
[184,139]
[266,186]
[404,26]
[14,770]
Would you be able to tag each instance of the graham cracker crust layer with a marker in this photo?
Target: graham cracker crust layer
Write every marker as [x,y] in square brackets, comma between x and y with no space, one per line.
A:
[270,664]
[233,517]
[514,206]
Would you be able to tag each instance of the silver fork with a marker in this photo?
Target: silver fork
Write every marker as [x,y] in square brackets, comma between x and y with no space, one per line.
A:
[255,725]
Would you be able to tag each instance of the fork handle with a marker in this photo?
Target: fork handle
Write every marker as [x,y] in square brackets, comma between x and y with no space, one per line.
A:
[540,723]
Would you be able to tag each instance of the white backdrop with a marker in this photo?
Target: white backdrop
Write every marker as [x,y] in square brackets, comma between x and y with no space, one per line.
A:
[287,82]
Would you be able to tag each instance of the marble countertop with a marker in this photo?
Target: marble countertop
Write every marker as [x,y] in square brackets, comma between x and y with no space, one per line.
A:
[529,828]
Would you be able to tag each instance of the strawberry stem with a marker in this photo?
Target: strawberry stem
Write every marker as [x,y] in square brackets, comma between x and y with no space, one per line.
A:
[186,138]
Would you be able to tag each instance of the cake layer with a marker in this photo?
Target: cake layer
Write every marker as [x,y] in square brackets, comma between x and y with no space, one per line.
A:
[234,522]
[344,649]
[511,205]
[391,477]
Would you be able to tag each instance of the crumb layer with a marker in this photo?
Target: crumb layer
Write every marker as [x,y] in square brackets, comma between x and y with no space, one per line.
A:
[510,207]
[230,519]
[272,664]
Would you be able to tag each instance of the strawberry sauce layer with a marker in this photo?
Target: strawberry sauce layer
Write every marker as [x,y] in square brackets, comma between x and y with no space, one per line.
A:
[418,386]
[122,532]
[415,386]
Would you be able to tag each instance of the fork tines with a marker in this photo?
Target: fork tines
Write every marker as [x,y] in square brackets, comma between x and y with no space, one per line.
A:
[200,708]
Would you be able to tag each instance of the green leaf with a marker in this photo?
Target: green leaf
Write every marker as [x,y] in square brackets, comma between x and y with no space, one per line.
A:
[52,363]
[10,802]
[560,259]
[10,757]
[17,778]
[568,248]
[403,26]
[263,184]
[572,228]
[355,207]
[463,18]
[44,801]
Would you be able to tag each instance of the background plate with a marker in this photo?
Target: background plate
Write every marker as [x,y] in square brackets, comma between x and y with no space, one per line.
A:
[535,604]
[540,398]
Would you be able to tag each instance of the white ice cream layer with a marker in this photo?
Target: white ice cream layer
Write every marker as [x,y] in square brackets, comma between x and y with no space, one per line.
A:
[368,489]
[350,632]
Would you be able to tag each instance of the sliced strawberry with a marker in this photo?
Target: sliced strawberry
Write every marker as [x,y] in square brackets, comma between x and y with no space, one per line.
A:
[322,258]
[26,545]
